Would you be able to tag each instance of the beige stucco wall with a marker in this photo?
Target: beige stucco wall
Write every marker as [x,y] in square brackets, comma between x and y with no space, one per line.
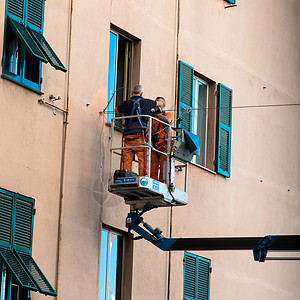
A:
[252,48]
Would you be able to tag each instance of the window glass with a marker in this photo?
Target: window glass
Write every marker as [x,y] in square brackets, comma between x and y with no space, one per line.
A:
[119,72]
[3,279]
[110,266]
[200,118]
[103,264]
[123,70]
[12,52]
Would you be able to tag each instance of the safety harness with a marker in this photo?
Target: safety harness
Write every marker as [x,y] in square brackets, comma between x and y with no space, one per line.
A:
[160,142]
[135,127]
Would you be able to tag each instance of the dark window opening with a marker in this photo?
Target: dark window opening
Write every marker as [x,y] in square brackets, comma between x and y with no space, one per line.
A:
[32,68]
[9,289]
[12,52]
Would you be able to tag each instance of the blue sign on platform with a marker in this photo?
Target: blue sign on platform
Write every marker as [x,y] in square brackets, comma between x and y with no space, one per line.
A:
[155,185]
[125,180]
[143,181]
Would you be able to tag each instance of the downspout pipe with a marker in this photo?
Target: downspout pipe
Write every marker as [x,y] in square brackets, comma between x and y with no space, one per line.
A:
[176,87]
[64,151]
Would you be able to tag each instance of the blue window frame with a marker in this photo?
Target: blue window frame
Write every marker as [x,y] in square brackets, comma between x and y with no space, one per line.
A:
[111,257]
[196,277]
[24,44]
[112,71]
[119,71]
[19,271]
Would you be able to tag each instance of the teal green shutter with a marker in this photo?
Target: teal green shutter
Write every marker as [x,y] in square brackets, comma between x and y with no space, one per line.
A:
[27,40]
[16,224]
[196,279]
[17,270]
[224,117]
[16,8]
[6,208]
[185,96]
[203,278]
[23,223]
[189,279]
[39,278]
[35,13]
[47,50]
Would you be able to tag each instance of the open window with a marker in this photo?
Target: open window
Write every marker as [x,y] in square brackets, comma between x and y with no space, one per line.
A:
[19,271]
[25,47]
[123,68]
[111,261]
[207,116]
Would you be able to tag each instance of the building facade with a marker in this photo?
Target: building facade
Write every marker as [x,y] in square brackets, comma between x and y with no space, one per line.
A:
[66,64]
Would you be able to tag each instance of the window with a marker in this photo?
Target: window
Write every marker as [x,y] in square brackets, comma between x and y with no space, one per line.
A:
[200,120]
[196,277]
[19,271]
[123,68]
[9,288]
[201,113]
[110,265]
[24,44]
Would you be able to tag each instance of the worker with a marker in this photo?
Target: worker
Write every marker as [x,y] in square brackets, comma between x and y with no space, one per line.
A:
[135,129]
[160,140]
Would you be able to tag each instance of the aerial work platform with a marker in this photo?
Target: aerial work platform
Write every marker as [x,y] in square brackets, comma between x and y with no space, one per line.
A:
[143,192]
[140,192]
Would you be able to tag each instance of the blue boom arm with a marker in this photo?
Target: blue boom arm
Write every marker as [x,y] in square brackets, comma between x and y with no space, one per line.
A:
[259,245]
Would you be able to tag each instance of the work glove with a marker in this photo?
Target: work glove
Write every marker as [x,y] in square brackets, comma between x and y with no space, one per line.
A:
[156,110]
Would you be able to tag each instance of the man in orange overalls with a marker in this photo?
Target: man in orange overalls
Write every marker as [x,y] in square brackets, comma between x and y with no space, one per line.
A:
[159,140]
[135,128]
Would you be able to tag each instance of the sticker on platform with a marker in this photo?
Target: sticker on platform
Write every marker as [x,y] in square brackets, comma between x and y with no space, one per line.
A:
[125,180]
[143,181]
[155,185]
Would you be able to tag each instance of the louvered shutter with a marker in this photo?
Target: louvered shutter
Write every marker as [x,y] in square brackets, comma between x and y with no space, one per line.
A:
[6,207]
[27,40]
[39,278]
[23,223]
[203,278]
[185,96]
[224,130]
[196,277]
[16,8]
[16,269]
[47,51]
[35,13]
[189,278]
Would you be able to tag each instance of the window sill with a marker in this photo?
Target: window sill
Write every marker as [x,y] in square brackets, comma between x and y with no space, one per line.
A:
[117,128]
[204,168]
[23,85]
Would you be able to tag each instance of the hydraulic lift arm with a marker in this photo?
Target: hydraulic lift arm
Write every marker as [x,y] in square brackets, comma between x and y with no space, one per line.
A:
[259,245]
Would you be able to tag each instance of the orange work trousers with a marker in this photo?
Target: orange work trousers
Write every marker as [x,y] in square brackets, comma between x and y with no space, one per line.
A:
[157,164]
[141,153]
